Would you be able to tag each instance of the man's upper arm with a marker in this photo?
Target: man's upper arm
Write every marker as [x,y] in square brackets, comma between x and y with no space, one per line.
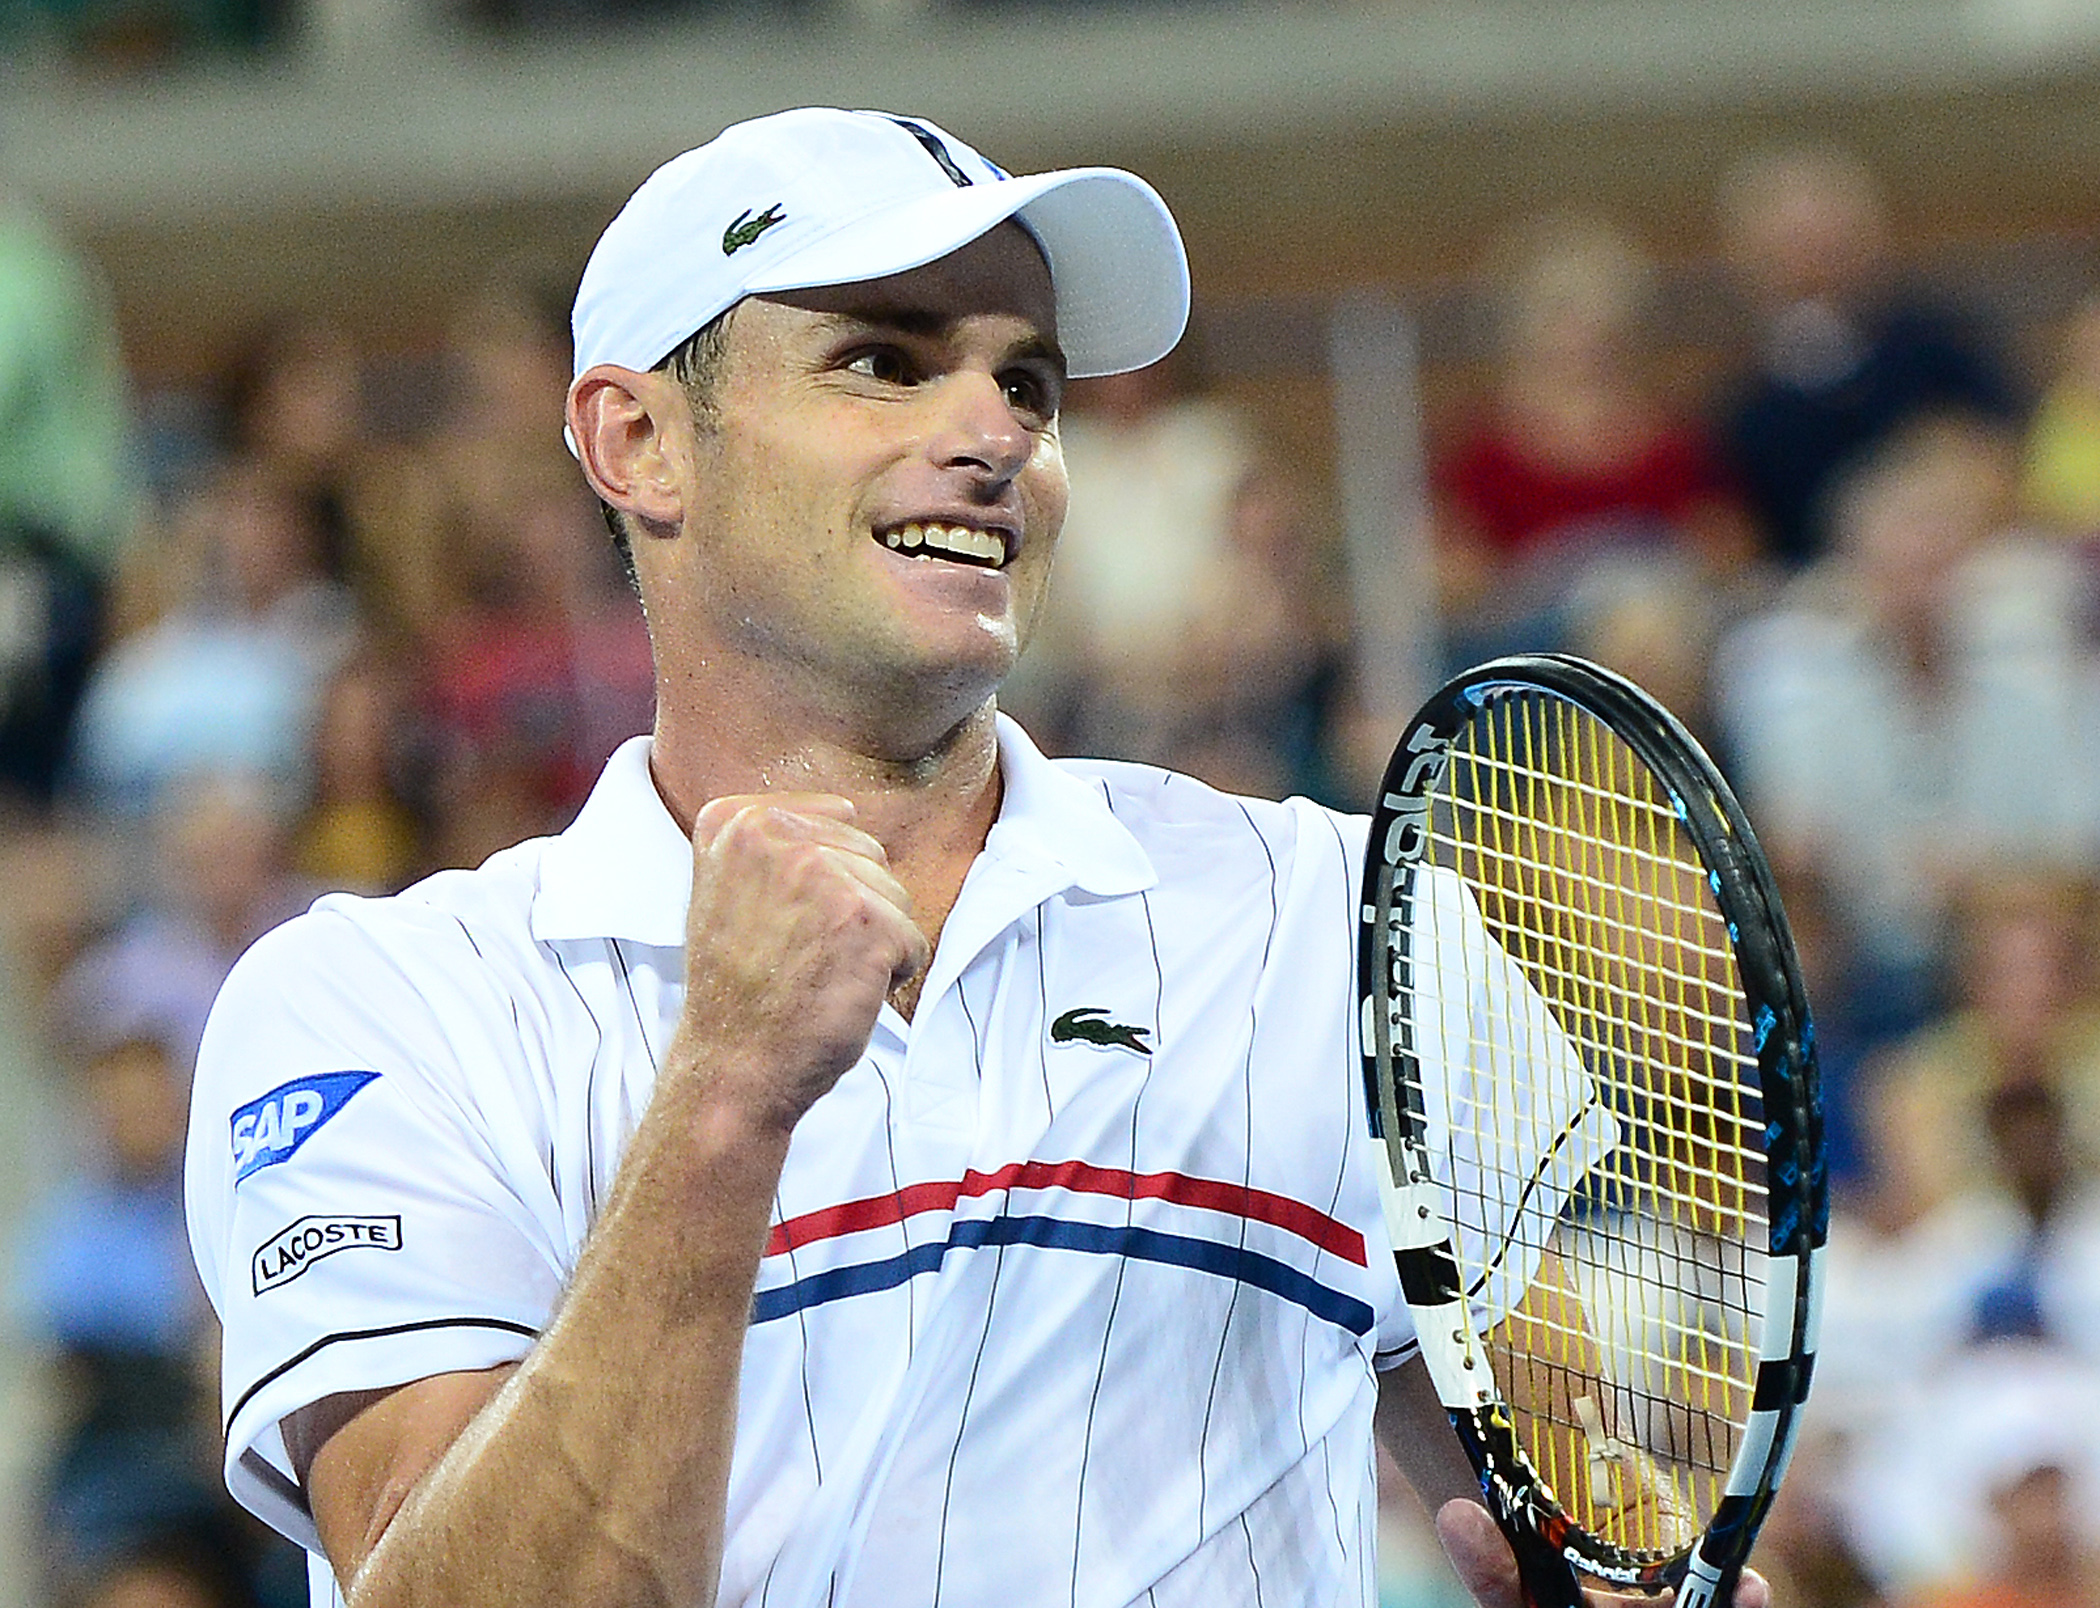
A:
[360,1454]
[354,1224]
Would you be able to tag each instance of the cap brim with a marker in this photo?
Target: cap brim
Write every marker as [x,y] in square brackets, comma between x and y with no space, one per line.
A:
[1116,259]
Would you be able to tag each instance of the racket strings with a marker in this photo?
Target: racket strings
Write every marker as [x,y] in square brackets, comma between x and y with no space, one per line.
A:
[1628,1361]
[1731,1063]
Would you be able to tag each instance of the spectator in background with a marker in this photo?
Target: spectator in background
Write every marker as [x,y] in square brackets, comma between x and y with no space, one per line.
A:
[544,672]
[1652,616]
[2041,1554]
[184,1568]
[1192,621]
[2024,1019]
[67,498]
[1985,1492]
[1902,1272]
[108,1286]
[1244,692]
[492,444]
[1880,712]
[1156,468]
[1843,357]
[358,833]
[2046,1170]
[503,347]
[1575,456]
[294,404]
[2060,470]
[229,678]
[214,882]
[104,1268]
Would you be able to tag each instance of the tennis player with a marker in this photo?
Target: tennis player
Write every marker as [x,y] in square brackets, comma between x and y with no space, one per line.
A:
[860,1161]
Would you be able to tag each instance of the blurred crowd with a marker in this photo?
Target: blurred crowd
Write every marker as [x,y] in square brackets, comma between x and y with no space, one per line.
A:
[342,617]
[126,39]
[256,642]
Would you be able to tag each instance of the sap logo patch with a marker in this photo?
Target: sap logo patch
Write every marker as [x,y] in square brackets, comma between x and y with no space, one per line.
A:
[295,1248]
[269,1130]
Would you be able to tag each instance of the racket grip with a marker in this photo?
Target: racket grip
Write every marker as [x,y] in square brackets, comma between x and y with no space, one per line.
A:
[1693,1592]
[1548,1580]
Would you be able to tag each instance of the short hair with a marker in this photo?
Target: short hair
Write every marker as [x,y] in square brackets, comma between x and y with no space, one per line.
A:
[696,364]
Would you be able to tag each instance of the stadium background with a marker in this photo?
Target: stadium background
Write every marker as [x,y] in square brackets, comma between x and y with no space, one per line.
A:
[279,397]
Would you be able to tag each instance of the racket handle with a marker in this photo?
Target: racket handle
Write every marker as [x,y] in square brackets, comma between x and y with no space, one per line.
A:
[1547,1578]
[1695,1592]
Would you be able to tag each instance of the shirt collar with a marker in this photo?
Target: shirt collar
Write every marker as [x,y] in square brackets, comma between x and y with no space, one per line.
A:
[624,869]
[1048,814]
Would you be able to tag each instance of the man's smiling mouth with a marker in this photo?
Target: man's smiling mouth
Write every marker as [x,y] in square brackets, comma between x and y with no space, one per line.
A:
[956,542]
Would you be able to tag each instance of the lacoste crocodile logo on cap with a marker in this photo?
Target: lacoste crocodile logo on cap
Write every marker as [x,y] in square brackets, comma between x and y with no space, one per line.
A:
[1090,1023]
[746,228]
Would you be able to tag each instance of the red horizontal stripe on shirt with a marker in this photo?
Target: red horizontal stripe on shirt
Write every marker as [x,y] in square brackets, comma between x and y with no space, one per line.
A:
[878,1211]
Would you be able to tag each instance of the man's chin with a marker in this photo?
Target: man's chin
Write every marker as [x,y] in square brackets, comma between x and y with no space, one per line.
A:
[921,705]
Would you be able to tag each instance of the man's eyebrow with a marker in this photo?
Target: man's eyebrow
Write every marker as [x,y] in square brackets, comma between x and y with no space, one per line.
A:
[1038,349]
[904,320]
[930,325]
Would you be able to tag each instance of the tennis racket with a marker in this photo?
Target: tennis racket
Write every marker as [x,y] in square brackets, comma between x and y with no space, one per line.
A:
[1589,1054]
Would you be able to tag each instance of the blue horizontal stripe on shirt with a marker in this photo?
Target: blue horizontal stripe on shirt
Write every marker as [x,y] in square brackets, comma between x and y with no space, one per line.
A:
[1138,1244]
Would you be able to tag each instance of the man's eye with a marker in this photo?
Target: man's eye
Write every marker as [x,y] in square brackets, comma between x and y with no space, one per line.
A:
[883,363]
[1028,393]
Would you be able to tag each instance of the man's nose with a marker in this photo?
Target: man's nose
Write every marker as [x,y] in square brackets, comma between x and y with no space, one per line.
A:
[979,428]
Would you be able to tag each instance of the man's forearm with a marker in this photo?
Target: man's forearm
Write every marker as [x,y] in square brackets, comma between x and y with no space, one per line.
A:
[1415,1429]
[598,1474]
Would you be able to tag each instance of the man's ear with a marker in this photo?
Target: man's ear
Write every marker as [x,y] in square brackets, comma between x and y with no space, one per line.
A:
[624,425]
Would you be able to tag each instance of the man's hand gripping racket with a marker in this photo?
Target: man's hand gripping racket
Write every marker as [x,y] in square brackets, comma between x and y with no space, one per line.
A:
[1590,1058]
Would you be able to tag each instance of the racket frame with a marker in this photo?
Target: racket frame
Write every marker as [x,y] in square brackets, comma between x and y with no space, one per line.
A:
[1549,1545]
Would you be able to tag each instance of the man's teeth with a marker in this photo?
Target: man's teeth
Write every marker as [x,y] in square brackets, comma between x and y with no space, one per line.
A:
[957,541]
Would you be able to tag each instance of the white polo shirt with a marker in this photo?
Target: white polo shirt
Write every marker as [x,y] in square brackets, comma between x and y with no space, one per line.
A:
[1077,1279]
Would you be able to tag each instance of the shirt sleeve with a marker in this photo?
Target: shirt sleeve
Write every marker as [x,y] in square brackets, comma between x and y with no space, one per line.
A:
[367,1199]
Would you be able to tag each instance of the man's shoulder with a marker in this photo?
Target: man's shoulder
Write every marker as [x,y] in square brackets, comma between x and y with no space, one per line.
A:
[1176,816]
[444,974]
[449,919]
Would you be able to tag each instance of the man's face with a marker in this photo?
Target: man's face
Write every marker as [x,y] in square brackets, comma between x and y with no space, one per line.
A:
[877,492]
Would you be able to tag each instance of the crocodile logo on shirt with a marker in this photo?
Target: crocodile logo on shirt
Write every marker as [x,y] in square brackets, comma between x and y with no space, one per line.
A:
[1090,1023]
[747,229]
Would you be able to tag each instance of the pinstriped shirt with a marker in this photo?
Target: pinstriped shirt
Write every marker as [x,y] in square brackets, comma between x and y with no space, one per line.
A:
[1076,1283]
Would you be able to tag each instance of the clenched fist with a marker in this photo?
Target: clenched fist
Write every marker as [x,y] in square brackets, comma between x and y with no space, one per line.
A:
[796,933]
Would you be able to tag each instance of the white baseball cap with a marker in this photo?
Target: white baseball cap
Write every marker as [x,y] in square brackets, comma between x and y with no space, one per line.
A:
[818,196]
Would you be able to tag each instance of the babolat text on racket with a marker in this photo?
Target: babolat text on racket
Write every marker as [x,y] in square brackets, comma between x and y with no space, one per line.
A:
[1590,1057]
